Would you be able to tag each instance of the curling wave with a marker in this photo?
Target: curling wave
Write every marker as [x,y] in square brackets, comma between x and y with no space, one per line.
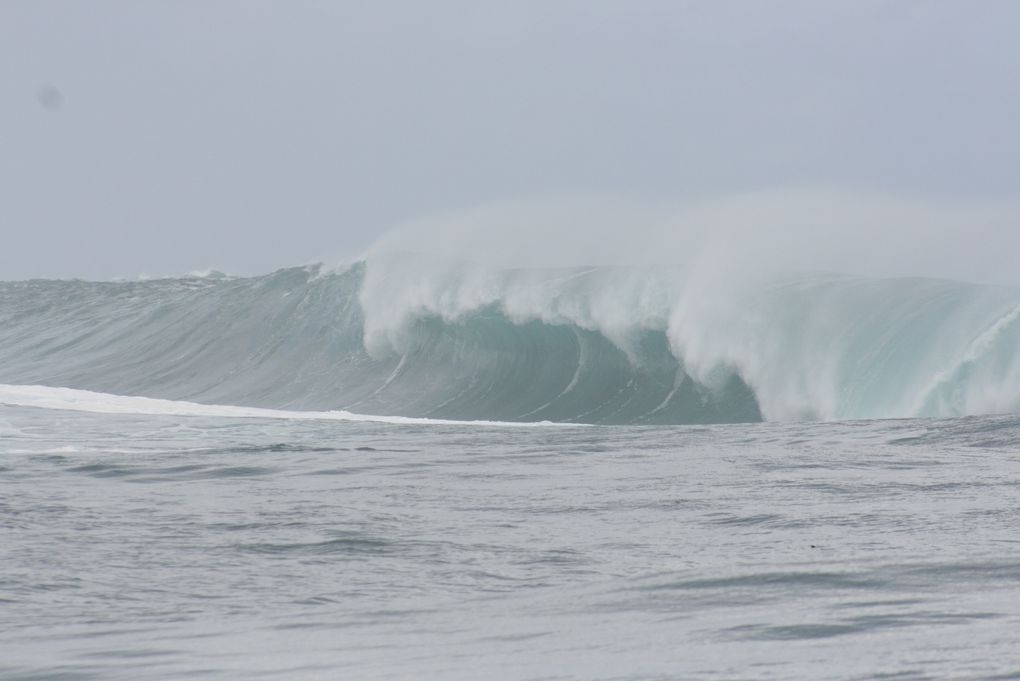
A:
[595,345]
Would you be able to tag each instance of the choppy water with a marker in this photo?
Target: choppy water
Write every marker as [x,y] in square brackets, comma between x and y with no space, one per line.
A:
[166,546]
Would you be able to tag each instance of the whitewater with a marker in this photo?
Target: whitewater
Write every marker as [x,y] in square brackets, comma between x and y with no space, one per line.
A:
[414,467]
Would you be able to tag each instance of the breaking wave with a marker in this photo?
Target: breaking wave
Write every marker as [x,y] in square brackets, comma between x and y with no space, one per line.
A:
[595,345]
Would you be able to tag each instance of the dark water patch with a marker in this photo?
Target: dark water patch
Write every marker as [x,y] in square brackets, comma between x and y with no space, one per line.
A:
[895,602]
[633,677]
[996,443]
[99,633]
[490,475]
[869,622]
[908,675]
[174,470]
[905,465]
[150,474]
[793,632]
[756,519]
[409,468]
[934,486]
[569,509]
[316,600]
[587,449]
[232,472]
[884,462]
[856,625]
[909,440]
[865,520]
[283,447]
[332,471]
[397,613]
[560,557]
[7,509]
[829,580]
[128,653]
[495,582]
[102,470]
[199,673]
[254,526]
[675,503]
[381,450]
[52,585]
[345,470]
[966,572]
[775,466]
[290,626]
[63,673]
[353,545]
[972,432]
[514,638]
[840,489]
[369,618]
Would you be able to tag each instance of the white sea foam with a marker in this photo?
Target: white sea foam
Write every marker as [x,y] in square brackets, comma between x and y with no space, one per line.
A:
[748,294]
[71,399]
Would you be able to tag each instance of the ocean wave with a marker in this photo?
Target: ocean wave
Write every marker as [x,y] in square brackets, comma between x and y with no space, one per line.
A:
[406,337]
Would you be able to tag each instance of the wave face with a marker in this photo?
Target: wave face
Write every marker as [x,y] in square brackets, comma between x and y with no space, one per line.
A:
[594,345]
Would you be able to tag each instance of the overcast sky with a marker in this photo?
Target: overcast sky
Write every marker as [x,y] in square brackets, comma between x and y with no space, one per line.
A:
[162,137]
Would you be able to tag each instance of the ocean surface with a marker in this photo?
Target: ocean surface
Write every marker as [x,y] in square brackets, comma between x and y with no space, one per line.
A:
[559,474]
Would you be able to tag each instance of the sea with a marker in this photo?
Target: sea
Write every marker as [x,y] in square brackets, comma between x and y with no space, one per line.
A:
[557,474]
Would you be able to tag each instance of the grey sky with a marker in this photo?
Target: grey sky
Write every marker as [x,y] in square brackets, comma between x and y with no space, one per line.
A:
[162,137]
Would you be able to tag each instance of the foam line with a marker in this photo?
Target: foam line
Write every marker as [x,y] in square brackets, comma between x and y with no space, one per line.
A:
[71,399]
